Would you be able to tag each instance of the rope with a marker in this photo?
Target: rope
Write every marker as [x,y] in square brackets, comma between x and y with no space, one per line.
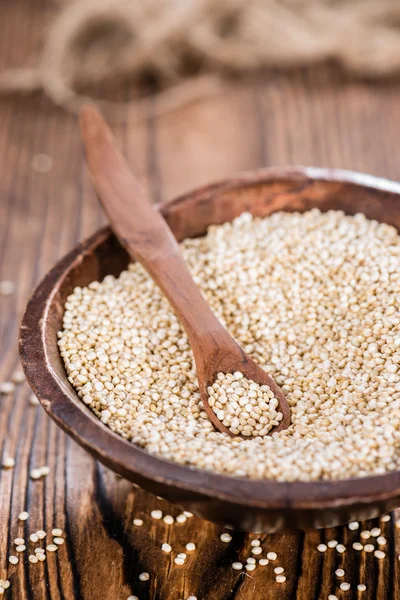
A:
[186,46]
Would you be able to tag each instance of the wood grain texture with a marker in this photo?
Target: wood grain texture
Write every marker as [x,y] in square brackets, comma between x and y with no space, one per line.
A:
[303,117]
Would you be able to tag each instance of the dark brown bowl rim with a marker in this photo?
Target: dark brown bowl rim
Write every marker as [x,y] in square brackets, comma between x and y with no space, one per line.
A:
[130,460]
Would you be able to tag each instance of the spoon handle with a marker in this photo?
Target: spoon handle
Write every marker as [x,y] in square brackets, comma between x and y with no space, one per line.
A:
[142,230]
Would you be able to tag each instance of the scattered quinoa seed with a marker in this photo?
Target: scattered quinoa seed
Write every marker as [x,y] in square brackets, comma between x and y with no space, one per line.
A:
[272,556]
[340,548]
[7,387]
[33,401]
[361,587]
[138,522]
[7,288]
[354,525]
[225,537]
[13,559]
[56,532]
[381,540]
[166,548]
[263,561]
[59,541]
[190,547]
[322,547]
[332,543]
[250,567]
[369,547]
[23,516]
[375,532]
[256,550]
[280,578]
[255,543]
[357,546]
[144,576]
[52,547]
[379,554]
[8,462]
[339,572]
[156,514]
[42,163]
[279,570]
[168,520]
[385,518]
[33,558]
[19,541]
[41,534]
[179,561]
[188,514]
[18,376]
[20,548]
[40,472]
[345,586]
[34,538]
[181,518]
[237,566]
[365,535]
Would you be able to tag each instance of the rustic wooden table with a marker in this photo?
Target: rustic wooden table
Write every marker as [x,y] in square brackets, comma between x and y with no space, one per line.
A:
[308,117]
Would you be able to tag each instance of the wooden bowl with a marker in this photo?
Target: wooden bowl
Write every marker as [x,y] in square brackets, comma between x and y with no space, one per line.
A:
[238,502]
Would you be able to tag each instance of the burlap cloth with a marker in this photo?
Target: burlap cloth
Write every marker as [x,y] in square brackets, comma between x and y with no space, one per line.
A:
[186,47]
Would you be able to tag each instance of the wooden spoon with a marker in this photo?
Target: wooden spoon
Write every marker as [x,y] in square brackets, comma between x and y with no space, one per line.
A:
[146,236]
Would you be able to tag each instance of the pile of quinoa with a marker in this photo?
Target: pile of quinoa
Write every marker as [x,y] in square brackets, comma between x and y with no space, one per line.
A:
[313,298]
[245,407]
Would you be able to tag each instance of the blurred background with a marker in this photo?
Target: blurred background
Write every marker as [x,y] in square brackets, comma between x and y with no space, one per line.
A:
[202,89]
[195,91]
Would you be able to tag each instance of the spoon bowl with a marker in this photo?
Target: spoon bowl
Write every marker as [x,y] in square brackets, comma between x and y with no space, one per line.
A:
[231,359]
[250,505]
